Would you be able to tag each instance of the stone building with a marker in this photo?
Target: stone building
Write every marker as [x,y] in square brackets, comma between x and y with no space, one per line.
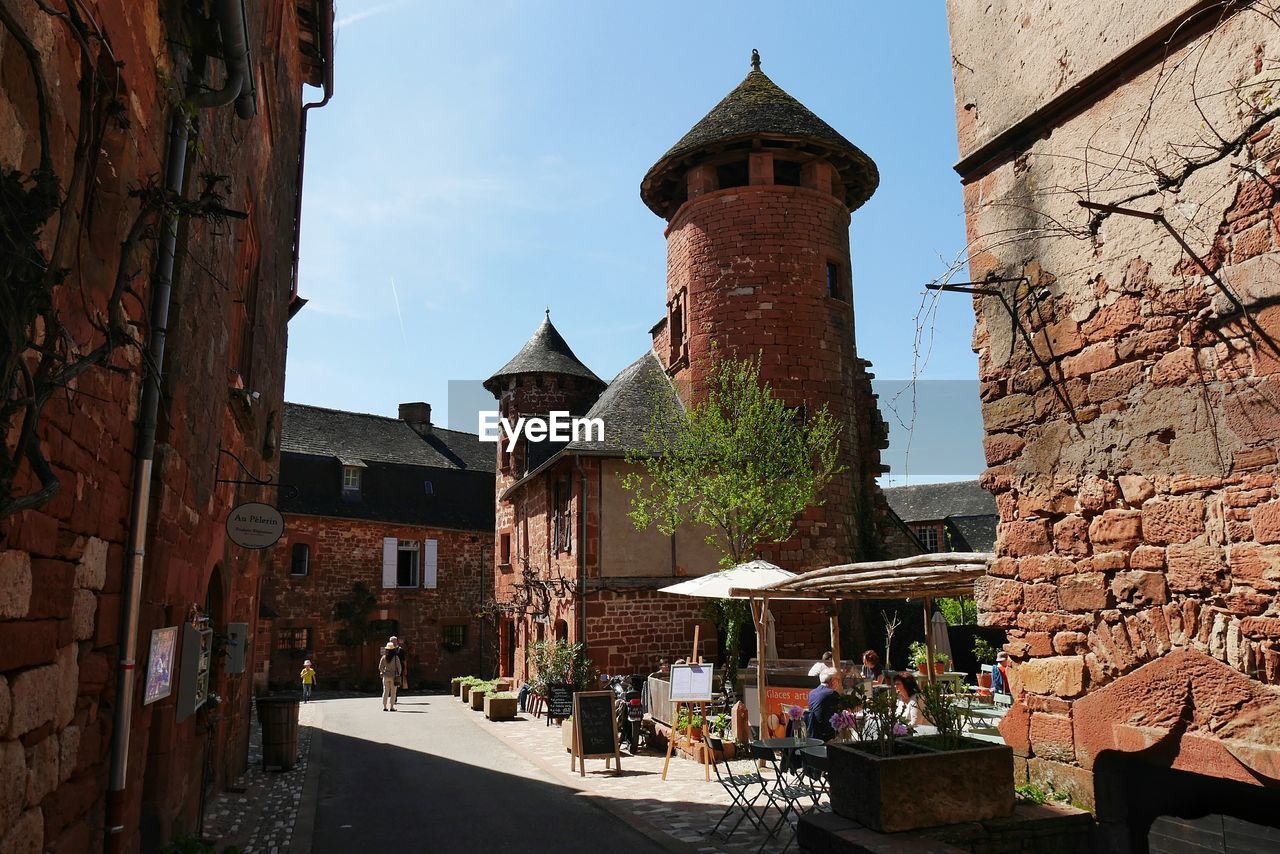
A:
[757,199]
[959,516]
[171,211]
[400,506]
[1131,434]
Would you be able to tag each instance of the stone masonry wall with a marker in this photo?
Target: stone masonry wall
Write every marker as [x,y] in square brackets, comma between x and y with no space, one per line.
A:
[346,551]
[62,565]
[1132,445]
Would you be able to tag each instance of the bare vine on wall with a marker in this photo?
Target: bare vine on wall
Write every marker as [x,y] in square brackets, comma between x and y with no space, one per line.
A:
[45,218]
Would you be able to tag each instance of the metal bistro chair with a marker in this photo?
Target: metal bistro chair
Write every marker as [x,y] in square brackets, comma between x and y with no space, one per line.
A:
[782,794]
[814,771]
[739,784]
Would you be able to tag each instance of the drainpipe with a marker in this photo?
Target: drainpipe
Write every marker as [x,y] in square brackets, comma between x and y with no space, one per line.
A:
[232,27]
[326,39]
[582,549]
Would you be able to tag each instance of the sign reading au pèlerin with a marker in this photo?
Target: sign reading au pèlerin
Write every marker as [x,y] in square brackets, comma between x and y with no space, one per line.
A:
[255,525]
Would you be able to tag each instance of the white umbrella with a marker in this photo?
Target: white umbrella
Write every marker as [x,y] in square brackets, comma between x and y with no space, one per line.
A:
[751,575]
[941,640]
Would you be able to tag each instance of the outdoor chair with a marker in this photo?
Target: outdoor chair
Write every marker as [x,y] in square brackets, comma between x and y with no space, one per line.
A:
[534,704]
[745,785]
[815,777]
[783,795]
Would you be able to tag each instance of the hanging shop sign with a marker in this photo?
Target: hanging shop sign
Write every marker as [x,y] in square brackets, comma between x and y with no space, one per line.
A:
[255,525]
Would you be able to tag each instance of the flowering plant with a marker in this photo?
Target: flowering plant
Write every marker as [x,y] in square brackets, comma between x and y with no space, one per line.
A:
[901,729]
[844,720]
[795,712]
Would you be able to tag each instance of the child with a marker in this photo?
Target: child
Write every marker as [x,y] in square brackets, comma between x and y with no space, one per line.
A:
[308,679]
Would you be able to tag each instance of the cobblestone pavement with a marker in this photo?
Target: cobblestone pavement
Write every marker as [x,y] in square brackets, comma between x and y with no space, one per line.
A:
[258,812]
[684,807]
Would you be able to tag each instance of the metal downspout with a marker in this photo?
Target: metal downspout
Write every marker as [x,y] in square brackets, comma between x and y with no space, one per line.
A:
[582,550]
[326,37]
[231,25]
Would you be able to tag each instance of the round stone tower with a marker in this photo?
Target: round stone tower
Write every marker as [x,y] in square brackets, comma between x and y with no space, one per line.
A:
[757,197]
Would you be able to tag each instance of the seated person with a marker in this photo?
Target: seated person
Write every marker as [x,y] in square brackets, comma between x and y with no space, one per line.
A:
[828,660]
[871,668]
[909,705]
[1000,674]
[824,701]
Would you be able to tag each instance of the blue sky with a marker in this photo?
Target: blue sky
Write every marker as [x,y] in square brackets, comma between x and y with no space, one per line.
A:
[481,162]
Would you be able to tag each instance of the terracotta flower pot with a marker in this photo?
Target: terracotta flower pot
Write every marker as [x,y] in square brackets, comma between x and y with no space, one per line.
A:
[939,667]
[920,668]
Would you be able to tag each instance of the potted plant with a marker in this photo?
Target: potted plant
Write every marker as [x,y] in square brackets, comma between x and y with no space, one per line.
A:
[478,692]
[468,682]
[877,781]
[984,653]
[940,662]
[455,685]
[684,720]
[500,706]
[918,654]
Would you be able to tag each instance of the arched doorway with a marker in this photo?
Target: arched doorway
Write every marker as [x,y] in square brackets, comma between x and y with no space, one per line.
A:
[562,631]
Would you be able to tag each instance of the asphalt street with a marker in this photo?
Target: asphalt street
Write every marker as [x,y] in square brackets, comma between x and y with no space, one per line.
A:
[425,778]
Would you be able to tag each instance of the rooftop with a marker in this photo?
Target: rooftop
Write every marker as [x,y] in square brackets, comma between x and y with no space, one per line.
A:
[318,431]
[546,352]
[933,502]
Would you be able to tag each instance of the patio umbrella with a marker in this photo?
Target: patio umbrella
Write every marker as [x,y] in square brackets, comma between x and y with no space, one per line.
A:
[751,575]
[941,641]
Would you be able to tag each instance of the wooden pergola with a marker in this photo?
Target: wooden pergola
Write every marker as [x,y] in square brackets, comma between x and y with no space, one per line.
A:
[917,577]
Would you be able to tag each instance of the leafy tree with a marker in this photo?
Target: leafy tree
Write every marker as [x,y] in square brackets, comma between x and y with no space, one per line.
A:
[741,463]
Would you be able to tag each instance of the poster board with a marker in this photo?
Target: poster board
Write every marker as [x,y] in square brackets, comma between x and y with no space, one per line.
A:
[691,683]
[595,730]
[164,643]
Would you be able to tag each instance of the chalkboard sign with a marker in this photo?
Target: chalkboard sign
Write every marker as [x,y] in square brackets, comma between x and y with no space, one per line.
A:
[559,700]
[595,729]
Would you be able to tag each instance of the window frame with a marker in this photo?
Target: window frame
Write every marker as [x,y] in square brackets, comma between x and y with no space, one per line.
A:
[293,560]
[414,548]
[293,632]
[352,480]
[453,645]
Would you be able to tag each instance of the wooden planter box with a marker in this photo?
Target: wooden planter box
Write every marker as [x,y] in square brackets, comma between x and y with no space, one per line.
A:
[920,785]
[566,734]
[455,686]
[499,708]
[477,700]
[503,684]
[465,693]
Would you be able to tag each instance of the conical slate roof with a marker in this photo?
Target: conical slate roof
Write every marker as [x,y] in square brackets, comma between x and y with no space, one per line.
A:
[545,353]
[759,109]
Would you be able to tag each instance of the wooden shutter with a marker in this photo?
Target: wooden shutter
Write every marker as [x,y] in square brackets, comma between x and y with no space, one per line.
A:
[429,564]
[389,561]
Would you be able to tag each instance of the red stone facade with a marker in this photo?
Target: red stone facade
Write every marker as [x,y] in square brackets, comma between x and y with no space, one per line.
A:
[1131,441]
[62,565]
[345,551]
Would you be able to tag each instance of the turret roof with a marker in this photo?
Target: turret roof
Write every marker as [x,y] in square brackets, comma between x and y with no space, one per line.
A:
[759,108]
[546,352]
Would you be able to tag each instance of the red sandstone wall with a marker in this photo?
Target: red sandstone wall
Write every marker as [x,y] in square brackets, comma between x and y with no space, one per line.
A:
[346,551]
[1132,447]
[61,567]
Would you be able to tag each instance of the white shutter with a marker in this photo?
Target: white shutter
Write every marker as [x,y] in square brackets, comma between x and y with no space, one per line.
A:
[389,561]
[429,564]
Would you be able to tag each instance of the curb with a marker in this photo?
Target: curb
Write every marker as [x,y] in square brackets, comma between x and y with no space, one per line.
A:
[304,822]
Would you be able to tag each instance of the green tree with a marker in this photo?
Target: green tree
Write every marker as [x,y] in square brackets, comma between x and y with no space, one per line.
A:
[741,463]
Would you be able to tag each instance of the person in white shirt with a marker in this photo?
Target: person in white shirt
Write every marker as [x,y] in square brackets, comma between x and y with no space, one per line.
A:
[827,663]
[909,699]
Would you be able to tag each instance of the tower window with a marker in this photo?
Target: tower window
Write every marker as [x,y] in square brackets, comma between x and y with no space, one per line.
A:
[786,172]
[833,281]
[733,175]
[504,549]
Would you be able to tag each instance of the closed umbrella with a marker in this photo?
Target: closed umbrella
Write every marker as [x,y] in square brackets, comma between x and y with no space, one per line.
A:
[941,641]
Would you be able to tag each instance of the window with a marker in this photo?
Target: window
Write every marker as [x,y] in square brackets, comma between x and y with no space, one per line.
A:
[928,536]
[562,518]
[786,172]
[733,175]
[407,564]
[676,329]
[833,281]
[454,637]
[293,640]
[350,480]
[504,549]
[299,559]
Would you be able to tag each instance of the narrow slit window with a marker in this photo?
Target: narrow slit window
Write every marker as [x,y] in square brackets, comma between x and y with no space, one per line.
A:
[300,559]
[833,282]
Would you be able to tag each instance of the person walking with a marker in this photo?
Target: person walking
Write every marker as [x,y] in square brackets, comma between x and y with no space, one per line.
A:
[390,669]
[308,680]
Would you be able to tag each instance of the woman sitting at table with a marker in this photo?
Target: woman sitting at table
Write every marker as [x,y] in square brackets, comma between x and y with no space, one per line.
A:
[909,705]
[871,668]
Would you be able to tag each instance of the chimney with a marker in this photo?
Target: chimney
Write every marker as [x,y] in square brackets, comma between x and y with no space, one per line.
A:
[417,416]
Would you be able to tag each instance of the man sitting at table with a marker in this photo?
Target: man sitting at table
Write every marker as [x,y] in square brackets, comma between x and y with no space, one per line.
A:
[824,701]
